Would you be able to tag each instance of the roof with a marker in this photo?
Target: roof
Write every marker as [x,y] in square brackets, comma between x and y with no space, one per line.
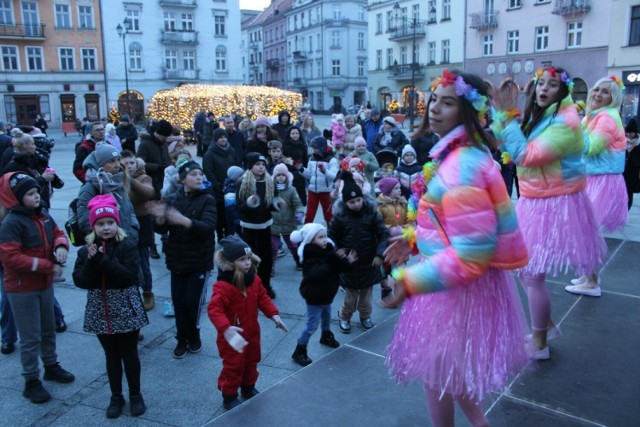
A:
[275,8]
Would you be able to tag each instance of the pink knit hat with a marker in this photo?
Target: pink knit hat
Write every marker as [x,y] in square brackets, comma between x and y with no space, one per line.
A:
[262,120]
[359,141]
[386,185]
[281,168]
[103,206]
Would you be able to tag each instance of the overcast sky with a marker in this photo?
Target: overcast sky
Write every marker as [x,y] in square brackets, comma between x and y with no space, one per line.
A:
[254,4]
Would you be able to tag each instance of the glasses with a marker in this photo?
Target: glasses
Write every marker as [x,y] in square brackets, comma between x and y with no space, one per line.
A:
[99,129]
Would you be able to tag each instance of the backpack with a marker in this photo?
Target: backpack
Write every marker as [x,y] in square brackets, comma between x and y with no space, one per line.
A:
[72,226]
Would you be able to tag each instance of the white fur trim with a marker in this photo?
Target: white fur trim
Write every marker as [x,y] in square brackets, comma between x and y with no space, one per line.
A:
[34,264]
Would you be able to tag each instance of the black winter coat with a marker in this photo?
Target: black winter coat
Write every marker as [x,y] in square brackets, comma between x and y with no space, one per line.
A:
[365,232]
[321,270]
[29,163]
[423,144]
[128,135]
[238,142]
[191,250]
[215,163]
[259,215]
[397,143]
[298,151]
[156,158]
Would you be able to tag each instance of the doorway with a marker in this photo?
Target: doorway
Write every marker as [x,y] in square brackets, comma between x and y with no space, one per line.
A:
[27,108]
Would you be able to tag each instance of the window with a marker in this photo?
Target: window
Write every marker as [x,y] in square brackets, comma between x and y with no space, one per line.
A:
[415,11]
[360,40]
[169,21]
[487,45]
[88,59]
[335,67]
[403,55]
[310,44]
[634,28]
[134,18]
[221,59]
[446,10]
[542,38]
[389,57]
[361,14]
[379,59]
[189,60]
[446,52]
[319,68]
[187,22]
[63,16]
[416,54]
[431,8]
[219,26]
[390,25]
[135,56]
[171,59]
[513,41]
[514,4]
[35,59]
[85,17]
[574,34]
[66,59]
[432,52]
[30,18]
[335,38]
[10,58]
[6,16]
[337,11]
[378,23]
[360,68]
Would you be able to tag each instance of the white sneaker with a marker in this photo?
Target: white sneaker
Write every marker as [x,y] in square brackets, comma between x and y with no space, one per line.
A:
[552,333]
[584,289]
[579,281]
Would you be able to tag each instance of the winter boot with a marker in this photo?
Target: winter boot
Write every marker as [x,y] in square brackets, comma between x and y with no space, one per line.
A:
[300,355]
[56,373]
[248,392]
[114,410]
[153,252]
[34,391]
[230,402]
[137,405]
[148,300]
[329,339]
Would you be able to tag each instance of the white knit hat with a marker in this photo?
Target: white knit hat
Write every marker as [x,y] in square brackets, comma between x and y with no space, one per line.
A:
[305,235]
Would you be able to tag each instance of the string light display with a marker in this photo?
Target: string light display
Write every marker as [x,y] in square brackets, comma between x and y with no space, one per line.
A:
[180,105]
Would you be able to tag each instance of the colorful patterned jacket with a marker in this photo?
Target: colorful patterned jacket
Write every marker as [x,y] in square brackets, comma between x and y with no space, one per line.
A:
[604,142]
[469,200]
[549,161]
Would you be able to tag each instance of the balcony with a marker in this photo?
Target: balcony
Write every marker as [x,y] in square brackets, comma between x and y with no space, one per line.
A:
[484,21]
[22,31]
[181,75]
[406,72]
[254,66]
[407,32]
[569,8]
[180,37]
[273,63]
[254,46]
[298,56]
[179,3]
[297,81]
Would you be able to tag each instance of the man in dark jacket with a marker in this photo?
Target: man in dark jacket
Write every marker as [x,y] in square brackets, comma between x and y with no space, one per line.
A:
[207,131]
[372,127]
[236,138]
[86,147]
[283,125]
[154,151]
[127,133]
[423,144]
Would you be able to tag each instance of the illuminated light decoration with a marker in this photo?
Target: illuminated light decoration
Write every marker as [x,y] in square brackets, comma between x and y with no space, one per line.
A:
[393,106]
[180,105]
[114,115]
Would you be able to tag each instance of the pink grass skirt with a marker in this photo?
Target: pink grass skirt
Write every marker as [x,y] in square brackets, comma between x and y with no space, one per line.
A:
[560,232]
[467,341]
[608,196]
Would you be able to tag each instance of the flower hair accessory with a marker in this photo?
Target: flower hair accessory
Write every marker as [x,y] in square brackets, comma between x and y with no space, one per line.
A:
[617,81]
[471,94]
[564,77]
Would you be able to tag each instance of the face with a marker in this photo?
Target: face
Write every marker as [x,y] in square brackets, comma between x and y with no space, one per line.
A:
[375,117]
[112,166]
[229,125]
[360,149]
[350,123]
[387,127]
[308,121]
[284,119]
[97,132]
[275,153]
[358,181]
[105,228]
[31,199]
[222,141]
[601,96]
[444,110]
[193,180]
[547,90]
[261,129]
[179,146]
[396,192]
[130,164]
[259,168]
[281,178]
[320,239]
[243,263]
[355,204]
[30,147]
[112,132]
[294,134]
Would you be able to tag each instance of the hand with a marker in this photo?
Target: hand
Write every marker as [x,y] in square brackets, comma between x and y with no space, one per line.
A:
[57,270]
[353,256]
[92,250]
[156,208]
[282,205]
[342,252]
[174,216]
[253,201]
[377,261]
[396,298]
[506,97]
[398,252]
[61,254]
[48,176]
[299,218]
[279,324]
[235,340]
[321,167]
[299,166]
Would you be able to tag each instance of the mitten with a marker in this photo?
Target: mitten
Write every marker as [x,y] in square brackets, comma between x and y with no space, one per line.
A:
[235,340]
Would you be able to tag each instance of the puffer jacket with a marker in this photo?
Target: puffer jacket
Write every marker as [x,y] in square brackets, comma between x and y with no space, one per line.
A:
[321,172]
[365,232]
[549,161]
[155,154]
[216,162]
[408,175]
[393,212]
[351,136]
[191,250]
[113,305]
[321,270]
[605,142]
[371,165]
[284,221]
[140,192]
[396,142]
[468,199]
[27,241]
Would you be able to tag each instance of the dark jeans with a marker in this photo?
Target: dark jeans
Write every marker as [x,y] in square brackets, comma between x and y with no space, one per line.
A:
[260,243]
[7,324]
[221,224]
[147,285]
[187,293]
[122,349]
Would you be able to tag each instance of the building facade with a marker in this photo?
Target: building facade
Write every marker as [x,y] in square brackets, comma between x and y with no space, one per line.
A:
[511,39]
[252,51]
[165,43]
[411,43]
[275,45]
[52,62]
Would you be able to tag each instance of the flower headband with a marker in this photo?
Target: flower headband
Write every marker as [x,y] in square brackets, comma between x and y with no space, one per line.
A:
[477,101]
[564,77]
[617,81]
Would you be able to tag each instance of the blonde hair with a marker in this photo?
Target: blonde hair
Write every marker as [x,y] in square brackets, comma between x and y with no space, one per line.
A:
[614,90]
[20,139]
[91,237]
[248,186]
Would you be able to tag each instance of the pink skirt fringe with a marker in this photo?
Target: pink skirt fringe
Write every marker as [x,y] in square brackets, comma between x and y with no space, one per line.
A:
[467,341]
[560,232]
[608,196]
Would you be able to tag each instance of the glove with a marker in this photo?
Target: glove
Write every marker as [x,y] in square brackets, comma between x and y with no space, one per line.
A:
[278,321]
[235,340]
[299,218]
[299,166]
[321,167]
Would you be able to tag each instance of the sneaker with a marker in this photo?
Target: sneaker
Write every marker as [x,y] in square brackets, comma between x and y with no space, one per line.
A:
[230,402]
[299,267]
[114,410]
[579,281]
[300,355]
[345,325]
[329,339]
[153,252]
[56,373]
[167,309]
[584,289]
[248,392]
[180,350]
[58,279]
[34,391]
[8,348]
[195,346]
[535,354]
[366,323]
[281,253]
[137,405]
[61,326]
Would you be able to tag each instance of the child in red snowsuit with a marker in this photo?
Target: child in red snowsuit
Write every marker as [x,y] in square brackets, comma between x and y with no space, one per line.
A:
[233,310]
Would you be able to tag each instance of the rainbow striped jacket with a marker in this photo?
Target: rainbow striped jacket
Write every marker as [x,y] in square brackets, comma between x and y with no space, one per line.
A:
[604,142]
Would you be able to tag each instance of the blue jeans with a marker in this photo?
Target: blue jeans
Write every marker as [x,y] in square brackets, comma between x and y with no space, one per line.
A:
[315,314]
[7,324]
[147,285]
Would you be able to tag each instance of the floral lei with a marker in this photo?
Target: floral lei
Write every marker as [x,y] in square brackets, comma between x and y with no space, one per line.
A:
[564,77]
[479,102]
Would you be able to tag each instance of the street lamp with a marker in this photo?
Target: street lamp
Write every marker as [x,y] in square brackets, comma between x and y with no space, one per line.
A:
[415,23]
[122,32]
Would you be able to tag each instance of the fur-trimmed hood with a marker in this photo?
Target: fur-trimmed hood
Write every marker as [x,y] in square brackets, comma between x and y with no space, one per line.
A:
[226,265]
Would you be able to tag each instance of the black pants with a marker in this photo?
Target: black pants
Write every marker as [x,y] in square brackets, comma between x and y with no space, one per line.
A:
[122,349]
[221,224]
[187,293]
[260,242]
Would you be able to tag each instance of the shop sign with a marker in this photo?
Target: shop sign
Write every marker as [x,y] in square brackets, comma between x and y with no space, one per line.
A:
[631,78]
